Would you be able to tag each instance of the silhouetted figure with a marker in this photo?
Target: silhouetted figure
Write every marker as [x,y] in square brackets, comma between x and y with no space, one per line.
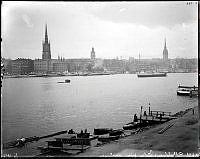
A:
[81,131]
[85,130]
[193,111]
[160,116]
[145,113]
[71,131]
[135,118]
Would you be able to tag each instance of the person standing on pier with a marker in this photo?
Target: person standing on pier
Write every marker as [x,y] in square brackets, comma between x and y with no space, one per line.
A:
[135,118]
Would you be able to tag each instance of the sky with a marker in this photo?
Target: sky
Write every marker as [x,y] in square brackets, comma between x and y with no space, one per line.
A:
[114,29]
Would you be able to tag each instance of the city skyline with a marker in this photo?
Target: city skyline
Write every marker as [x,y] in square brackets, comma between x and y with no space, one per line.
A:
[112,28]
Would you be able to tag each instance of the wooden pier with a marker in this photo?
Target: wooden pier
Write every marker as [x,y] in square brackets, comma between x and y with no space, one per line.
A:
[187,91]
[154,117]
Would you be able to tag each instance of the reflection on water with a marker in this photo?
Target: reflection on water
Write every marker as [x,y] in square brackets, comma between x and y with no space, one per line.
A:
[38,106]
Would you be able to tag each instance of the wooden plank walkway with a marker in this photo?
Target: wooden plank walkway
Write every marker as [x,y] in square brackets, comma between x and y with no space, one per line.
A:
[165,128]
[74,141]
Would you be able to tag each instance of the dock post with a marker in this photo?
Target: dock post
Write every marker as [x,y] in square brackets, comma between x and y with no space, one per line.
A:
[141,114]
[149,110]
[190,94]
[82,146]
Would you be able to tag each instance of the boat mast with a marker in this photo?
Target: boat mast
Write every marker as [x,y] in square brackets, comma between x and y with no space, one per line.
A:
[139,63]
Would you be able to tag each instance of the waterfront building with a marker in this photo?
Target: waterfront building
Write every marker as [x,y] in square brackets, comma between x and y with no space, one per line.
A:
[41,65]
[71,65]
[22,66]
[7,65]
[60,65]
[115,65]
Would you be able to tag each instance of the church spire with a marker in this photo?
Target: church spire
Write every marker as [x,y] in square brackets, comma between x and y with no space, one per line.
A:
[165,52]
[46,35]
[46,53]
[165,44]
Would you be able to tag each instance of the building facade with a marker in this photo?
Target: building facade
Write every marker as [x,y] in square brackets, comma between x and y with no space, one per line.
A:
[41,66]
[114,65]
[22,66]
[7,65]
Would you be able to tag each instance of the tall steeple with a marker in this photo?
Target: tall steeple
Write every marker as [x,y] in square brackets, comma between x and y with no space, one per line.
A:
[46,52]
[46,35]
[92,55]
[165,47]
[165,52]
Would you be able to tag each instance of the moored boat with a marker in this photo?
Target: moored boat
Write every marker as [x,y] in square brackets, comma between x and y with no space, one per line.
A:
[131,125]
[102,131]
[108,138]
[186,90]
[115,132]
[152,74]
[66,81]
[183,92]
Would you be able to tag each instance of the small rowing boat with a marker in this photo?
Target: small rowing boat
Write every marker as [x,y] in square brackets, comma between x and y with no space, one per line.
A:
[131,125]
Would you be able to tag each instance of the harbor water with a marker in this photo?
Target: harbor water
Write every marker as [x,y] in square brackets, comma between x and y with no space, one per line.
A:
[41,106]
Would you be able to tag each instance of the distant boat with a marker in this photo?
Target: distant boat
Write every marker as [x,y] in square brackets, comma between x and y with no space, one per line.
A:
[66,81]
[152,74]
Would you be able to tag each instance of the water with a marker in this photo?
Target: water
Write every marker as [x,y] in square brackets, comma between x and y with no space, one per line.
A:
[40,106]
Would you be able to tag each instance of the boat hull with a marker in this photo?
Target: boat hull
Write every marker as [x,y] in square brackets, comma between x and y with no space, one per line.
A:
[152,75]
[181,93]
[102,131]
[131,126]
[115,132]
[109,138]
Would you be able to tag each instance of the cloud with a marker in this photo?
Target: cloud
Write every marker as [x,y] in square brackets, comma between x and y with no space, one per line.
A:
[122,9]
[27,20]
[150,14]
[114,29]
